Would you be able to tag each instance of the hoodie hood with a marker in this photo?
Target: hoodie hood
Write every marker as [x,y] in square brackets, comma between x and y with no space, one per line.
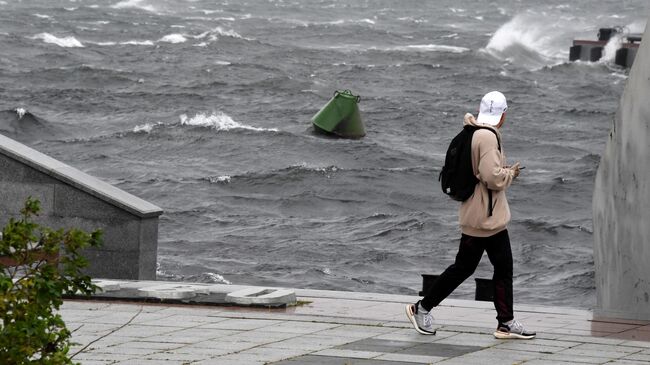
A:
[470,120]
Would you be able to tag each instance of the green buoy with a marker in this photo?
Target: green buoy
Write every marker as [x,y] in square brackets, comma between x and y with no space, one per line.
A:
[340,116]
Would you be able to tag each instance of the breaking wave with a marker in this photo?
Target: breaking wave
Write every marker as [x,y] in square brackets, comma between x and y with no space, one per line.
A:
[66,42]
[134,4]
[532,40]
[219,121]
[173,38]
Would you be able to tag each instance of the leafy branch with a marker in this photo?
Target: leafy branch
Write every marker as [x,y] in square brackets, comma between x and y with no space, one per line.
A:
[38,266]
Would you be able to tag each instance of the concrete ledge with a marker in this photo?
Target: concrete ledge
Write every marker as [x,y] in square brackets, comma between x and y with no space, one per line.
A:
[262,296]
[194,293]
[72,199]
[80,180]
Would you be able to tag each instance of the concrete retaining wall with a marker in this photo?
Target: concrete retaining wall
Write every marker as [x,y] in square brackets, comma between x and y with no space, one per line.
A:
[621,203]
[72,199]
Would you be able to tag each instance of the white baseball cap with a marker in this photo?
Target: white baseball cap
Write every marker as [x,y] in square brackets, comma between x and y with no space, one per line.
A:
[493,105]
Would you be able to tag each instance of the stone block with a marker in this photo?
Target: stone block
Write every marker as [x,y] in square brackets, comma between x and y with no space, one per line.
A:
[13,196]
[106,286]
[173,291]
[14,171]
[148,263]
[262,297]
[112,264]
[72,199]
[72,202]
[107,192]
[149,234]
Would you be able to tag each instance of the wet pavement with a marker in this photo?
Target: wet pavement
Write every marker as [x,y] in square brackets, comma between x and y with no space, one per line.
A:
[328,327]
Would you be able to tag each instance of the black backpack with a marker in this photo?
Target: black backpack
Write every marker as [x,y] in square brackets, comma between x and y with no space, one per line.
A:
[457,175]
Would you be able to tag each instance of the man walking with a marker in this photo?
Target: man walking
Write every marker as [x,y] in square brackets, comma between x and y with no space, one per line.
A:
[483,219]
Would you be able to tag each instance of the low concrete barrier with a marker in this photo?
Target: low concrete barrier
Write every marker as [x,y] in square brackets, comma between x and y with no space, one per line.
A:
[72,199]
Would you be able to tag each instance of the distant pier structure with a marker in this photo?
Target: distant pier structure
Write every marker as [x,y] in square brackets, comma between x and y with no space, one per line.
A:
[621,203]
[72,199]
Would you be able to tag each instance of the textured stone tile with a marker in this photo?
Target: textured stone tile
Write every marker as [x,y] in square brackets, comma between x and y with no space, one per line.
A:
[150,362]
[126,351]
[548,362]
[439,350]
[184,321]
[644,344]
[207,352]
[241,324]
[255,357]
[410,335]
[576,359]
[355,331]
[589,339]
[411,358]
[137,331]
[349,353]
[638,357]
[377,345]
[606,352]
[229,361]
[219,346]
[311,342]
[471,339]
[177,356]
[527,346]
[152,345]
[94,356]
[299,327]
[331,360]
[608,348]
[259,337]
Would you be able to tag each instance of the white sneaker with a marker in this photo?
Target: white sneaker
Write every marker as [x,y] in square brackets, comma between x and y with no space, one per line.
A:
[421,319]
[513,330]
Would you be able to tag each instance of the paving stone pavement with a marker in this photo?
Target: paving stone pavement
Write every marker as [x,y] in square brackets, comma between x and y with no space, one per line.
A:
[343,328]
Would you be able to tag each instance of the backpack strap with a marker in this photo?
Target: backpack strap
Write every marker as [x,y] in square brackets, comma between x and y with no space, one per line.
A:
[490,207]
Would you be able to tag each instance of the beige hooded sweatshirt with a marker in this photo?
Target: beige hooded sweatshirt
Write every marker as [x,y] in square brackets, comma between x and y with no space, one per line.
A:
[489,167]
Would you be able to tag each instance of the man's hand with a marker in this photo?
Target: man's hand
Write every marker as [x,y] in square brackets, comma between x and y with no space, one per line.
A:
[515,168]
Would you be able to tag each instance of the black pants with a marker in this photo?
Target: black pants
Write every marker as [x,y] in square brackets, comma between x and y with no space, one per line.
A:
[469,254]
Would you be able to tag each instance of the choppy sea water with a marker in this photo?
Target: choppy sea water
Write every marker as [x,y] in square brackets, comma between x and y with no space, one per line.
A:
[203,108]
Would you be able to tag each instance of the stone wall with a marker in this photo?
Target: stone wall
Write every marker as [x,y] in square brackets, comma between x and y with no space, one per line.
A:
[621,203]
[72,199]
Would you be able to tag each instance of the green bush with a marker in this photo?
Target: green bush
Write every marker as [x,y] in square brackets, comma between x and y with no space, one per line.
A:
[39,266]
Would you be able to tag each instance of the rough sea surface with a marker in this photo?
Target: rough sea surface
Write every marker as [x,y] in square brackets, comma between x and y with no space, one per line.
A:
[203,108]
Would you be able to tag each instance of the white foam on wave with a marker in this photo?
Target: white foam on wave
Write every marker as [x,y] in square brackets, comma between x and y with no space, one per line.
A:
[214,34]
[137,43]
[219,121]
[173,38]
[66,42]
[134,4]
[434,48]
[104,44]
[208,12]
[225,179]
[533,40]
[21,112]
[145,128]
[609,51]
[413,20]
[42,16]
[216,278]
[407,48]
